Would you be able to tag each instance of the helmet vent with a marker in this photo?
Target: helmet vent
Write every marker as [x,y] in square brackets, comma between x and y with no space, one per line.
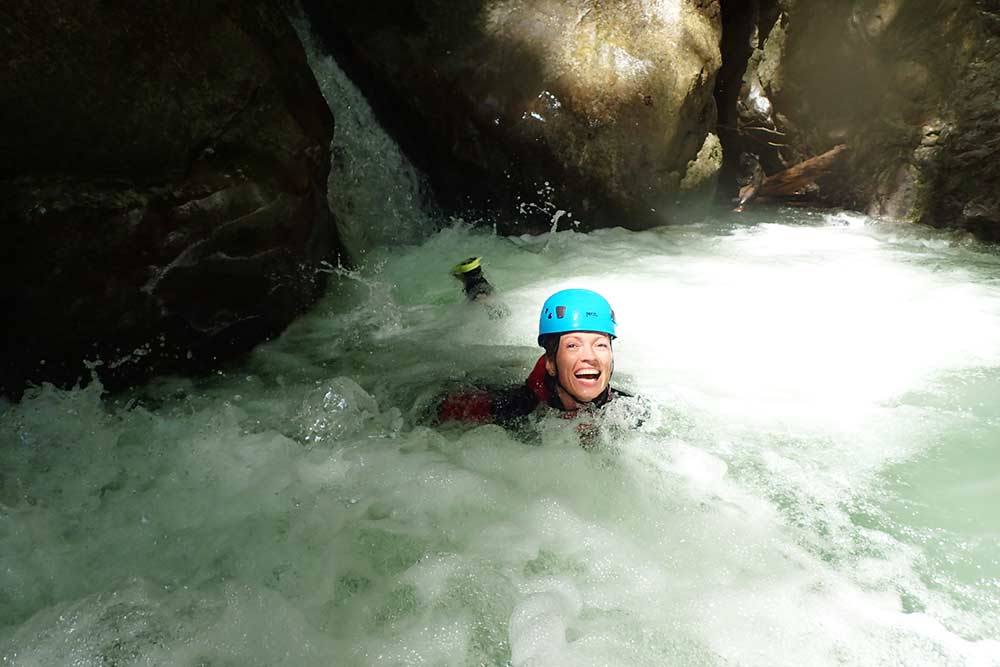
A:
[560,312]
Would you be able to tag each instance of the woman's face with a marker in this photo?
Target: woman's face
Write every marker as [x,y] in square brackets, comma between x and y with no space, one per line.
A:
[583,366]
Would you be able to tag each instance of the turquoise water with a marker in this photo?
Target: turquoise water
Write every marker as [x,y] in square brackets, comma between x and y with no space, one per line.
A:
[817,482]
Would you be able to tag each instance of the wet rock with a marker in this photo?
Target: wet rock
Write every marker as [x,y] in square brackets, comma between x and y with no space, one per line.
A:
[963,181]
[910,87]
[523,108]
[162,187]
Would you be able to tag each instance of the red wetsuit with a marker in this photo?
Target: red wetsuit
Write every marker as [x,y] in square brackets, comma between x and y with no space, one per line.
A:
[505,405]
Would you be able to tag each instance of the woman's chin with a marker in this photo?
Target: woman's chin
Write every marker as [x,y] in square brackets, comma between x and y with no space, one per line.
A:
[589,393]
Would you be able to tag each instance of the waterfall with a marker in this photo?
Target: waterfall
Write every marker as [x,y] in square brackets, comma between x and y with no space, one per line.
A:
[377,197]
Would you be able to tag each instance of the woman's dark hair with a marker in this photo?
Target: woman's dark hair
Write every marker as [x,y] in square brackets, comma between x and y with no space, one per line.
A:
[551,344]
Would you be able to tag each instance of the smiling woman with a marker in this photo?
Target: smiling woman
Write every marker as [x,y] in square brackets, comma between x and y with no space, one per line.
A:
[576,327]
[581,366]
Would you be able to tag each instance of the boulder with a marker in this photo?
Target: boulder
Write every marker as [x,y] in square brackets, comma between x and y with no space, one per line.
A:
[525,108]
[163,182]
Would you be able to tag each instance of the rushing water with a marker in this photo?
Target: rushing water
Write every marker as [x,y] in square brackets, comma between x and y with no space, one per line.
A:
[375,194]
[817,484]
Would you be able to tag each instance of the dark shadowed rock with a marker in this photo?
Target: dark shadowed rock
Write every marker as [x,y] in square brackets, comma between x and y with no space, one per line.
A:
[163,181]
[524,108]
[910,87]
[961,181]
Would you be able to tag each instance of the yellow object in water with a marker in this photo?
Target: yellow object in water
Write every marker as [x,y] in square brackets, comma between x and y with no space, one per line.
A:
[466,265]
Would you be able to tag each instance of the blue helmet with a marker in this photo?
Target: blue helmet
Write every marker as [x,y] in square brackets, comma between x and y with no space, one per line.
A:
[576,310]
